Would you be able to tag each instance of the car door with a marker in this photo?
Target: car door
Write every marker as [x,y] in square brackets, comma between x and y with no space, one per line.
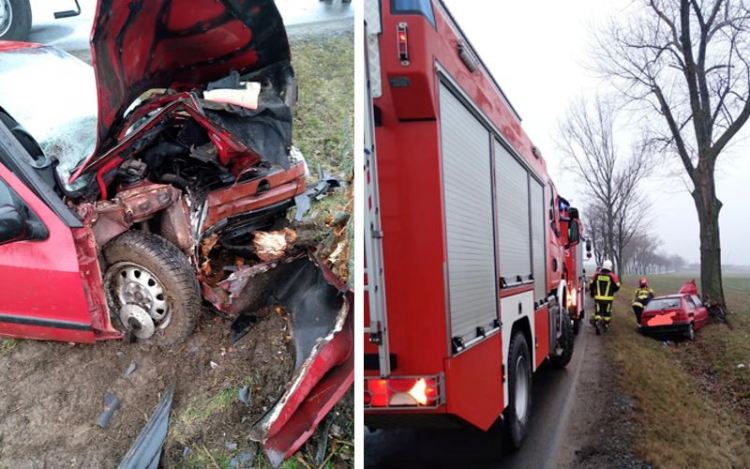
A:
[41,289]
[701,312]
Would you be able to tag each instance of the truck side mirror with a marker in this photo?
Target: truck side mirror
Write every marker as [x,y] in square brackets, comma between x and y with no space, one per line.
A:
[574,235]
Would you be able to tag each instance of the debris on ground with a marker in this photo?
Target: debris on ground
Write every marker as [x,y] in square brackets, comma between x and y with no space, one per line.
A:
[243,460]
[111,404]
[146,450]
[130,369]
[244,395]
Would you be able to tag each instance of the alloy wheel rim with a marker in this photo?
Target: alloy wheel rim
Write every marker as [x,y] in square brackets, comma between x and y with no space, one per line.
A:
[128,283]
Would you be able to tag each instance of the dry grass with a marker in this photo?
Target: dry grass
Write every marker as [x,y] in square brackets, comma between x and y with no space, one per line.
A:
[691,400]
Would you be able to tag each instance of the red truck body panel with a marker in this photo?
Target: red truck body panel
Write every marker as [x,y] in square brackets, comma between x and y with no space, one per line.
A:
[412,213]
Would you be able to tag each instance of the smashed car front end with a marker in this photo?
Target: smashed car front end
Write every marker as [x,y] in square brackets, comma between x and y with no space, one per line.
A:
[191,142]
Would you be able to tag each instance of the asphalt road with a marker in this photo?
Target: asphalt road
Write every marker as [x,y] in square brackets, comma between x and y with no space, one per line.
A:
[553,396]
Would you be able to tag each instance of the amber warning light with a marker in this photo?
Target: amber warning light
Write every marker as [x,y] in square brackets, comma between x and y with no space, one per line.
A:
[403,44]
[403,392]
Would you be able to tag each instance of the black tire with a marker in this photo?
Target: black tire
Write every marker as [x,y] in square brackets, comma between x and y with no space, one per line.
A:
[516,427]
[172,269]
[576,326]
[566,344]
[20,21]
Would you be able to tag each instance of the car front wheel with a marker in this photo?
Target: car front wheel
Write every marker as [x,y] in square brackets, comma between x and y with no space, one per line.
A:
[151,288]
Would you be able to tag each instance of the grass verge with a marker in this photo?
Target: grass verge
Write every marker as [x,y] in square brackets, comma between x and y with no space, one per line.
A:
[691,398]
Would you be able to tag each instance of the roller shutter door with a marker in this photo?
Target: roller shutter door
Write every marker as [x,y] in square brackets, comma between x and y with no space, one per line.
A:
[538,252]
[513,217]
[465,145]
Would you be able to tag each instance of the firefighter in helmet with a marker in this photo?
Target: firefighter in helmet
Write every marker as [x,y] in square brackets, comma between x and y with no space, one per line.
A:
[604,285]
[643,295]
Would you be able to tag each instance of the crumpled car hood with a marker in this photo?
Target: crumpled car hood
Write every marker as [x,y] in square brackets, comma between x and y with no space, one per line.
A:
[139,45]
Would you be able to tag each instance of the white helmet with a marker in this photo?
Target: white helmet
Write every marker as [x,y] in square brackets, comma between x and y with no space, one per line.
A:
[607,265]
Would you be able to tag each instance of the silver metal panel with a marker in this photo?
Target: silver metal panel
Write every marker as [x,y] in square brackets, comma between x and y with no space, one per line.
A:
[513,226]
[538,251]
[467,191]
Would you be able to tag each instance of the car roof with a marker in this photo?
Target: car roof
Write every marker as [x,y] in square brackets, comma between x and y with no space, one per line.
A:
[667,297]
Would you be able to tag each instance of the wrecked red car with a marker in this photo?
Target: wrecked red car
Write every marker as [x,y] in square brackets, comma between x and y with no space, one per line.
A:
[118,195]
[134,193]
[681,314]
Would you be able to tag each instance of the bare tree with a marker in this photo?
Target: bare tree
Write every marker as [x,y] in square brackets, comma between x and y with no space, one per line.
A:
[611,178]
[688,61]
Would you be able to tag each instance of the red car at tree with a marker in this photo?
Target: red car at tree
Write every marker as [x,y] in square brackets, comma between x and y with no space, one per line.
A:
[682,314]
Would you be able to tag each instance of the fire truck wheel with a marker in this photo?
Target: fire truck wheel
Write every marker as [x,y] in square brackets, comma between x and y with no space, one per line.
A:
[564,351]
[518,412]
[576,326]
[151,288]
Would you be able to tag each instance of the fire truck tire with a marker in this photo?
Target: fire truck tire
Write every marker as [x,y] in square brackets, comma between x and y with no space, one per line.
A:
[173,273]
[564,350]
[15,23]
[518,413]
[576,326]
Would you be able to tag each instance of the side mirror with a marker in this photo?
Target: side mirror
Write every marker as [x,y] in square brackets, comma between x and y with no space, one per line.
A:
[13,223]
[16,223]
[574,235]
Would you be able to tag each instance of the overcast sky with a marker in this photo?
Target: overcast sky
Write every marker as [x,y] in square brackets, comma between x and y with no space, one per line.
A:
[539,52]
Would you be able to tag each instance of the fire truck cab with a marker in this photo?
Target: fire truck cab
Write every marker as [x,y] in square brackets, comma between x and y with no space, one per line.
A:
[465,238]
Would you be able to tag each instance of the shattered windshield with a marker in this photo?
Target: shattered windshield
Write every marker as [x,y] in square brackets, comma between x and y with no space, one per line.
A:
[53,96]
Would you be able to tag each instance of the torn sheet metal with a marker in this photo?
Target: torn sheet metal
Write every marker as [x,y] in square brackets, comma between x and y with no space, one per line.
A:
[318,305]
[326,183]
[146,451]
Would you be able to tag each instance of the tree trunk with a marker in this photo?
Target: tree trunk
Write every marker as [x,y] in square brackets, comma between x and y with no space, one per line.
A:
[709,206]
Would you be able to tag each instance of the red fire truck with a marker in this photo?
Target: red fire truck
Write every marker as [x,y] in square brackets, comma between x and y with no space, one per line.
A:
[466,236]
[574,273]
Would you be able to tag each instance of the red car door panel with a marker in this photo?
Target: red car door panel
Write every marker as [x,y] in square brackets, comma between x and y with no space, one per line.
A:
[41,289]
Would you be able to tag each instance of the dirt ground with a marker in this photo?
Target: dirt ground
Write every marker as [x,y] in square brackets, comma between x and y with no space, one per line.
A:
[53,393]
[600,426]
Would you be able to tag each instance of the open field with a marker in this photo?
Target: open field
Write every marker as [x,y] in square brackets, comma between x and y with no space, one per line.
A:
[692,399]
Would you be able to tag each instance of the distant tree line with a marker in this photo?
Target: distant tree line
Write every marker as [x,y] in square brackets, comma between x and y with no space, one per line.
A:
[643,256]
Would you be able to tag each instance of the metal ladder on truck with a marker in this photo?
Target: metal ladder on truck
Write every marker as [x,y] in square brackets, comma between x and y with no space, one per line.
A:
[375,281]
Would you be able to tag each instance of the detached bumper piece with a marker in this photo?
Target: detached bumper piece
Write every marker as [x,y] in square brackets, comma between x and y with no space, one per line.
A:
[146,451]
[318,306]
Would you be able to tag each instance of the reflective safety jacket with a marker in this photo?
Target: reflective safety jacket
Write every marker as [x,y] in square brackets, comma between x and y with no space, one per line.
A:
[604,285]
[642,297]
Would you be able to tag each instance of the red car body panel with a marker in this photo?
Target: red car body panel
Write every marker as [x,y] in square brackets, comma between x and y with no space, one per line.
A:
[43,296]
[688,309]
